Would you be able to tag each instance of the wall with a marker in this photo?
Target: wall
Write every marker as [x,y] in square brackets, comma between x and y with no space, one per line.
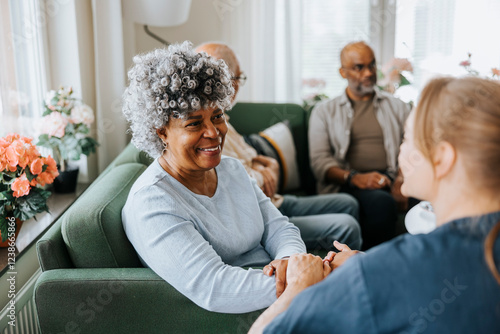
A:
[203,24]
[71,61]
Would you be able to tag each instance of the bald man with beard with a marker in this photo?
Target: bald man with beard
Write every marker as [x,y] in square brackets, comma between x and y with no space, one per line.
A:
[354,142]
[321,219]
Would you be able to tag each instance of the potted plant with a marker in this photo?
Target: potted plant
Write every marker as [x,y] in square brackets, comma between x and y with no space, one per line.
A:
[315,88]
[65,128]
[23,173]
[391,76]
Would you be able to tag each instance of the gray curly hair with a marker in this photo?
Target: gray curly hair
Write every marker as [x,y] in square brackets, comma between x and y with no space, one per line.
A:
[172,82]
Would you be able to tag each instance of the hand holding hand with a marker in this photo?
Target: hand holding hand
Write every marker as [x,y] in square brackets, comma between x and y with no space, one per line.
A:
[337,259]
[305,270]
[278,268]
[371,180]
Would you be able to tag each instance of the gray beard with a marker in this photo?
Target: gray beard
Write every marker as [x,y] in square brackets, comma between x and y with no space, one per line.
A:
[364,90]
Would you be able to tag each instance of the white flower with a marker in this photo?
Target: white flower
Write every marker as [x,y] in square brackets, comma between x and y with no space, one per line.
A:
[54,124]
[82,114]
[50,95]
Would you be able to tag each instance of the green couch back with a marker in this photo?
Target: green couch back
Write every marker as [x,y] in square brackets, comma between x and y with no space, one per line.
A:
[92,228]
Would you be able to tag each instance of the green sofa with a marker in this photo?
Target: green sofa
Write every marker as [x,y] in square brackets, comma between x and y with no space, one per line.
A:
[92,280]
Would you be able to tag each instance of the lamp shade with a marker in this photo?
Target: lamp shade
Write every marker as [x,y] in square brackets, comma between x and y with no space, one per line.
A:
[160,13]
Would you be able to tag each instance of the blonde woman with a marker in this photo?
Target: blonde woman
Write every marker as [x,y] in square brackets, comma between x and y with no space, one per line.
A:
[446,281]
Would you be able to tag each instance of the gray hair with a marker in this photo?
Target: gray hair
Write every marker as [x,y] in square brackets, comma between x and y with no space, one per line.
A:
[172,82]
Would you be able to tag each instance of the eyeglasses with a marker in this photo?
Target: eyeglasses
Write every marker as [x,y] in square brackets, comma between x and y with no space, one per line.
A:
[242,78]
[358,68]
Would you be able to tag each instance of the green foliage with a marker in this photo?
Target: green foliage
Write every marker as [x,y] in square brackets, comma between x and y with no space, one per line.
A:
[28,206]
[309,103]
[4,225]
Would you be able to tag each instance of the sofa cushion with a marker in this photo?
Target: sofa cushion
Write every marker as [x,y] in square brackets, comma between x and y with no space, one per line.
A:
[92,227]
[249,118]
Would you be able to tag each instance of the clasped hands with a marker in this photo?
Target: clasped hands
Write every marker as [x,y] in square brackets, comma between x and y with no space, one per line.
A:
[376,180]
[303,270]
[270,171]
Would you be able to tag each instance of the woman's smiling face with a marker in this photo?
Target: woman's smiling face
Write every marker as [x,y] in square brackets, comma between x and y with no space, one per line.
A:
[195,143]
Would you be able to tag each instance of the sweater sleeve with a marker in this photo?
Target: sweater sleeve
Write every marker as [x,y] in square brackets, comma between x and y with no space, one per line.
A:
[281,238]
[320,151]
[172,247]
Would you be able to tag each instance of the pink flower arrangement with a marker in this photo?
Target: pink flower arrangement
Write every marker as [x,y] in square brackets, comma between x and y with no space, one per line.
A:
[82,114]
[390,76]
[55,124]
[66,125]
[466,64]
[23,171]
[313,88]
[495,72]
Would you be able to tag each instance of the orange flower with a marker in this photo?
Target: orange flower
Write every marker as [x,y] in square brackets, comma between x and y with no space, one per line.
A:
[50,173]
[36,166]
[33,182]
[3,160]
[4,143]
[21,186]
[51,165]
[12,158]
[12,137]
[44,178]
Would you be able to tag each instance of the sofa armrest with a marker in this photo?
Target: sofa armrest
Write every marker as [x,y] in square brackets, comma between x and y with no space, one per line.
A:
[124,300]
[51,249]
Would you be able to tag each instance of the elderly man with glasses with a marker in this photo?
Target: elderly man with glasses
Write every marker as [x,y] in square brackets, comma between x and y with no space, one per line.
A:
[321,219]
[354,142]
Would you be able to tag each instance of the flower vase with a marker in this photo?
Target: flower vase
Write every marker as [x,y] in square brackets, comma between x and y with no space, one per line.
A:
[66,181]
[19,223]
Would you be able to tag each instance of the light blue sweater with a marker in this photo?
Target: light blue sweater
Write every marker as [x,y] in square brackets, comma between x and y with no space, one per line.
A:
[198,243]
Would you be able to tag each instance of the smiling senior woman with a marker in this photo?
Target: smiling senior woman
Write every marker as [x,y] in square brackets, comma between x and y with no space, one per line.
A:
[195,217]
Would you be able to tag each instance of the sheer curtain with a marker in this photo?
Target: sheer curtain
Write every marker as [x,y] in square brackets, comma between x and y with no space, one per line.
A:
[266,35]
[23,78]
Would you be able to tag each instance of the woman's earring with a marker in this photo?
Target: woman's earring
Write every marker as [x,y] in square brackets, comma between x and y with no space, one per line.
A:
[165,147]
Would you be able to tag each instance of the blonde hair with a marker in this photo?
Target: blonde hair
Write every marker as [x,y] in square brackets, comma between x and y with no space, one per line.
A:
[464,112]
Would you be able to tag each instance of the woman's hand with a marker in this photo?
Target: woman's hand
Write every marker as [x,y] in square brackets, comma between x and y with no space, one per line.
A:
[278,268]
[305,270]
[337,259]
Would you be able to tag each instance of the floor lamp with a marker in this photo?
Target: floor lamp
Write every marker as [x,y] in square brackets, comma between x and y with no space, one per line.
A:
[160,13]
